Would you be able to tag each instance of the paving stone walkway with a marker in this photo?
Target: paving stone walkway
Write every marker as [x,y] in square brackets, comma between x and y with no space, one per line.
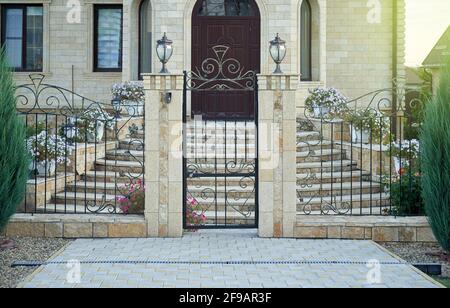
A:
[211,259]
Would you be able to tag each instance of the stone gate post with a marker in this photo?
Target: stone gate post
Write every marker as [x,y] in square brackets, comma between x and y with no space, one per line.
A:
[163,154]
[277,155]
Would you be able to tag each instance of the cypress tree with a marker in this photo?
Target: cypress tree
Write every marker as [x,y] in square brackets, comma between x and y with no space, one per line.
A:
[14,157]
[435,152]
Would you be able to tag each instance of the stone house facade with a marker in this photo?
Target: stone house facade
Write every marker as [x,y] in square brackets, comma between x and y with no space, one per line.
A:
[351,41]
[356,46]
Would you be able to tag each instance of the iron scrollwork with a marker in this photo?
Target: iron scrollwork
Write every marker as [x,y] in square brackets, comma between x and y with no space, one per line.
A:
[221,74]
[392,106]
[62,110]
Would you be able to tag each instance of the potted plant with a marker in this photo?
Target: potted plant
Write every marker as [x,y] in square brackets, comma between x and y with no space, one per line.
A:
[47,151]
[95,121]
[367,125]
[403,152]
[132,96]
[325,102]
[89,127]
[133,201]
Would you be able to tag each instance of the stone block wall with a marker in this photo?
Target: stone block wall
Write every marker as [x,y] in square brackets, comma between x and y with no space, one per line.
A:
[376,228]
[359,45]
[76,226]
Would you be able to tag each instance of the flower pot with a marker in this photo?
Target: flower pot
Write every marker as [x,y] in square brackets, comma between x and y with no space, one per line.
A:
[134,109]
[94,138]
[44,168]
[321,112]
[360,136]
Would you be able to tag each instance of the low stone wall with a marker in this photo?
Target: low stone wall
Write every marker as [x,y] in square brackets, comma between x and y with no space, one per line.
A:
[76,226]
[376,228]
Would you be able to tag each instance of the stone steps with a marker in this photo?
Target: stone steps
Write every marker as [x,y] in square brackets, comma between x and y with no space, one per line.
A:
[320,155]
[335,177]
[230,181]
[118,166]
[314,145]
[111,176]
[98,187]
[208,168]
[69,208]
[230,218]
[327,166]
[357,202]
[304,136]
[125,155]
[337,189]
[236,193]
[132,144]
[81,198]
[211,201]
[366,210]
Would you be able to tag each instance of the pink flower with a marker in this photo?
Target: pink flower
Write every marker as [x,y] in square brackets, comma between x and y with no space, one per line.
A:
[122,199]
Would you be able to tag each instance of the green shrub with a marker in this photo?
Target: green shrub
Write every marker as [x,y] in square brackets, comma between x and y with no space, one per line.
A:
[405,193]
[435,141]
[14,160]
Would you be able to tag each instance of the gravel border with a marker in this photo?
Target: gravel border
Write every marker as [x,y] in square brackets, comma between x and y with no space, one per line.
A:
[419,253]
[38,249]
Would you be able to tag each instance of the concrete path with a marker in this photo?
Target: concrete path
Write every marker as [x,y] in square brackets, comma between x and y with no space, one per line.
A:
[225,259]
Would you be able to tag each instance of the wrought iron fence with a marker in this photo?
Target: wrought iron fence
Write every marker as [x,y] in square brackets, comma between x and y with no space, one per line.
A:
[362,158]
[86,156]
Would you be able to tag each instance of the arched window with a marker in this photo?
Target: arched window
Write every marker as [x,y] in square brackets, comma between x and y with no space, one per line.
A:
[306,41]
[230,8]
[145,38]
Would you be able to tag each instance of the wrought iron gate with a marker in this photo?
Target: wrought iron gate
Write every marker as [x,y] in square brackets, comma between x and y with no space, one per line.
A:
[220,156]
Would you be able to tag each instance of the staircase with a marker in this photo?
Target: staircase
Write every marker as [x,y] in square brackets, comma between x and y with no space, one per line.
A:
[96,190]
[328,182]
[220,162]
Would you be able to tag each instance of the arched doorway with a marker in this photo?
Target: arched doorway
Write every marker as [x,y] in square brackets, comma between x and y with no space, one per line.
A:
[236,24]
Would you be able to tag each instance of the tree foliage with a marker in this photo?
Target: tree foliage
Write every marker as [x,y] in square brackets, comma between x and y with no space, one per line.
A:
[435,140]
[14,158]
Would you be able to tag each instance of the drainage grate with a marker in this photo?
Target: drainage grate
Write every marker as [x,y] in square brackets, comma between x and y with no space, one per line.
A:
[166,262]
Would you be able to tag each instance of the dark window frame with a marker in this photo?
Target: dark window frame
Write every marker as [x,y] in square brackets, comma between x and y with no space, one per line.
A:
[23,7]
[310,78]
[98,7]
[140,77]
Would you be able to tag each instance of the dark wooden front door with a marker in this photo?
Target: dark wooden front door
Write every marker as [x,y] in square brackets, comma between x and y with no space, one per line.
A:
[242,35]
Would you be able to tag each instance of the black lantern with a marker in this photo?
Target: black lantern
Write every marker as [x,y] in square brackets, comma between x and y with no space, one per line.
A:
[117,106]
[70,130]
[278,52]
[164,50]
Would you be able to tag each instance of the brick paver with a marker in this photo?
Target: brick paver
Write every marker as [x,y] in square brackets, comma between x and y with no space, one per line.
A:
[296,263]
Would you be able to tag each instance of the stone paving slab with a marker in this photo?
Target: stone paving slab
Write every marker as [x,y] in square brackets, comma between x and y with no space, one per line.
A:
[221,247]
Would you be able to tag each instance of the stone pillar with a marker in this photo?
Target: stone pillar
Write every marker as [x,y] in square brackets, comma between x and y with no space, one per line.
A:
[163,155]
[277,155]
